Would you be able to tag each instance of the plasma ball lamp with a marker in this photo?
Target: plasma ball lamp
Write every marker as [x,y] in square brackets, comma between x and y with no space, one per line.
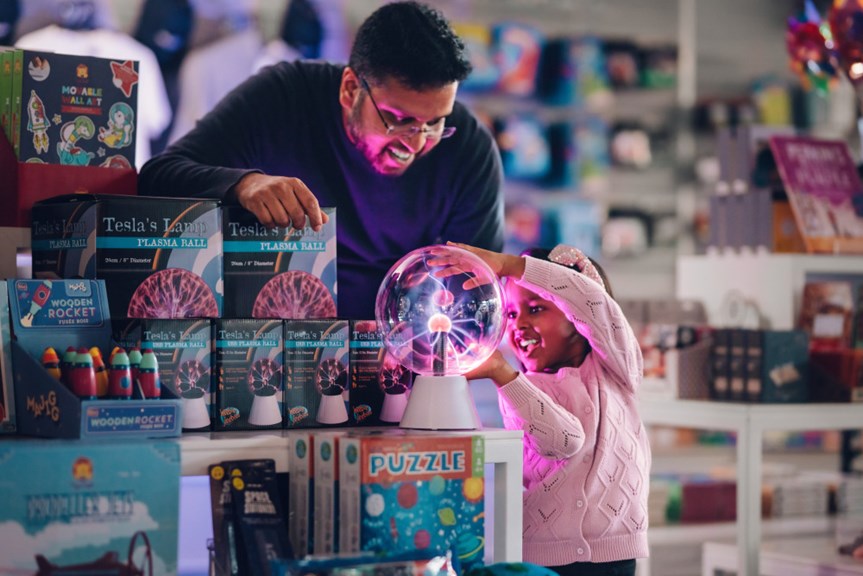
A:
[440,309]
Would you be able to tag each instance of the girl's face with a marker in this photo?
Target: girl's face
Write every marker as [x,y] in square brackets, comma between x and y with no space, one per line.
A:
[540,334]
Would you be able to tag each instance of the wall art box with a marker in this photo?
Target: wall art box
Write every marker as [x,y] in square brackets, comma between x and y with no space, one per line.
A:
[249,374]
[70,128]
[278,272]
[74,110]
[159,257]
[89,508]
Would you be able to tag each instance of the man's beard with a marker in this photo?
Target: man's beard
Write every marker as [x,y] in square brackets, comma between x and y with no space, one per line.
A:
[374,159]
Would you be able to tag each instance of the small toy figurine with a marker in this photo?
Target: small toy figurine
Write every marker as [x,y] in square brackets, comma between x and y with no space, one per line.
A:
[66,364]
[101,372]
[120,376]
[51,363]
[148,375]
[82,377]
[134,364]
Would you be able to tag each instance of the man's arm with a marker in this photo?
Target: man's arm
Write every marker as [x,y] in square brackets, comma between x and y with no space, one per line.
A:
[225,154]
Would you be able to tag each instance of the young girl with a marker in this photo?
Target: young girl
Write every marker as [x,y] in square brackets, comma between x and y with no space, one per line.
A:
[586,454]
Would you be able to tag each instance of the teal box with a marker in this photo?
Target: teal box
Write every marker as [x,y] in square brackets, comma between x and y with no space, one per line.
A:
[89,508]
[59,314]
[7,384]
[278,272]
[159,257]
[250,374]
[316,373]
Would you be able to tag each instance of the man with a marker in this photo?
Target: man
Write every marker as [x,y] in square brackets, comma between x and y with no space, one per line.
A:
[382,139]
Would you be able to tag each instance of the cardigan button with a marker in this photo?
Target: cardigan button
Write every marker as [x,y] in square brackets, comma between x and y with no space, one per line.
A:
[580,550]
[579,503]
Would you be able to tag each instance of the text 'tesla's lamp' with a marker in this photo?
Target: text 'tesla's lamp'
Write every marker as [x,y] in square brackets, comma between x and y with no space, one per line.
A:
[440,310]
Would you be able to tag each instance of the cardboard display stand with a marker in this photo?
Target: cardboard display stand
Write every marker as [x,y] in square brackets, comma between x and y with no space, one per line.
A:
[74,313]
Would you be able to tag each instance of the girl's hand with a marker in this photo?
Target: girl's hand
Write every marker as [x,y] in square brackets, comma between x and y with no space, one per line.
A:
[501,264]
[496,368]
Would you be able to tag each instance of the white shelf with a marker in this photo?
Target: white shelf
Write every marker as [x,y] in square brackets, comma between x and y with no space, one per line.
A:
[676,534]
[503,448]
[772,283]
[786,557]
[749,422]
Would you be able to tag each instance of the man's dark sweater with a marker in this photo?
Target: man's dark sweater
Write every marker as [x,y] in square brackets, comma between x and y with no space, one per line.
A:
[287,121]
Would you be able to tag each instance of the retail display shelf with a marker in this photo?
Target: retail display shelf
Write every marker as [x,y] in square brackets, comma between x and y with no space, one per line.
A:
[503,448]
[756,287]
[675,534]
[749,422]
[799,556]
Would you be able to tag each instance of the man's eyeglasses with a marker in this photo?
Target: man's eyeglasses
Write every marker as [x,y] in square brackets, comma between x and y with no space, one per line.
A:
[438,131]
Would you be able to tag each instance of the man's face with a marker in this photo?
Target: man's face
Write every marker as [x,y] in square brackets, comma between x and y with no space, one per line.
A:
[401,108]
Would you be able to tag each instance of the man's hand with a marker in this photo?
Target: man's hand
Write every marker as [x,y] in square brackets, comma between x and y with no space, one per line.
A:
[279,201]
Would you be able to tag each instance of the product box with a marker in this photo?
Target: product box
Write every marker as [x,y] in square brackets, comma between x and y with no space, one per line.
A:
[7,383]
[258,517]
[6,58]
[784,366]
[183,349]
[74,110]
[380,386]
[278,272]
[74,313]
[316,372]
[326,484]
[720,378]
[401,492]
[159,257]
[229,527]
[89,508]
[301,491]
[837,375]
[250,374]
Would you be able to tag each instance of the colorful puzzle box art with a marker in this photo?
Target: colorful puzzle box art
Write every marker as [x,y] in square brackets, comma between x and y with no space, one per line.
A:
[413,491]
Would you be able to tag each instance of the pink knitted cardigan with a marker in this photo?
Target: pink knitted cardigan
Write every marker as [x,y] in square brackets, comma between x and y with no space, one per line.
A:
[586,453]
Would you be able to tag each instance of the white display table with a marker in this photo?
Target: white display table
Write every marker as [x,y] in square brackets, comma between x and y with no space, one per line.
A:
[786,557]
[749,422]
[503,448]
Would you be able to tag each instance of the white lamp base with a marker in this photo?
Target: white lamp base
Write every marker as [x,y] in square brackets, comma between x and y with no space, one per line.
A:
[195,413]
[265,411]
[394,407]
[441,403]
[332,410]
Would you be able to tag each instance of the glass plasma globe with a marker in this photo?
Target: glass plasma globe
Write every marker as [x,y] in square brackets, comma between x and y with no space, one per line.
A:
[433,325]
